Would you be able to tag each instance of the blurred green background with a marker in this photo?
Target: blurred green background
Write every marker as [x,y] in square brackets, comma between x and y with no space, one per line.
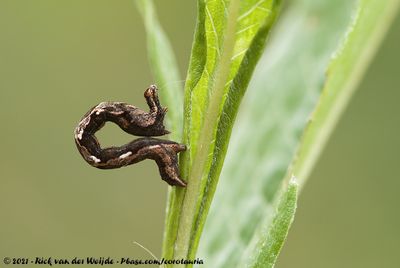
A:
[59,58]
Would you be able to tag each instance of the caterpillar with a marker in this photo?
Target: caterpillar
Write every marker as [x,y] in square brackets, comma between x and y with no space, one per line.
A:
[136,122]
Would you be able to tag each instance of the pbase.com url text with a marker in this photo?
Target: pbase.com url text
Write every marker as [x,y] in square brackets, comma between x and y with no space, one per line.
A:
[50,261]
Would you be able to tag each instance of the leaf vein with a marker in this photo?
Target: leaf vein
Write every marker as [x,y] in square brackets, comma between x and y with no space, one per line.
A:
[248,12]
[214,30]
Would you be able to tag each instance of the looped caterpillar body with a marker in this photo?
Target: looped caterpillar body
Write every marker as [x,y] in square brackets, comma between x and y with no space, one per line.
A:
[135,122]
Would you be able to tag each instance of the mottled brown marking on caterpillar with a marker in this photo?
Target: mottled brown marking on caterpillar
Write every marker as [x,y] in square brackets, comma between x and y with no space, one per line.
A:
[135,122]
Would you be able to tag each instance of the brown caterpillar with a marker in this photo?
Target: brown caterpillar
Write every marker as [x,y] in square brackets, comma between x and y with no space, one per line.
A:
[135,122]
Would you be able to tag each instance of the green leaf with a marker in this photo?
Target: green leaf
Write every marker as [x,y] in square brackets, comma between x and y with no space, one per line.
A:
[234,37]
[176,195]
[164,67]
[284,91]
[272,235]
[345,71]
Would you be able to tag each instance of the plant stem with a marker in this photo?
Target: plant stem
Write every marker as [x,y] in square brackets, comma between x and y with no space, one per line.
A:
[210,120]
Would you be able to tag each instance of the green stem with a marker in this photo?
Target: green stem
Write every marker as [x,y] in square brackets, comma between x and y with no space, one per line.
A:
[206,137]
